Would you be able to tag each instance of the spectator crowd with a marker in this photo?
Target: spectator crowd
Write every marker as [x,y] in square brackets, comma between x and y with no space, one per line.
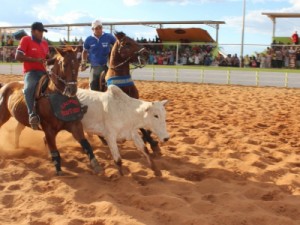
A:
[277,55]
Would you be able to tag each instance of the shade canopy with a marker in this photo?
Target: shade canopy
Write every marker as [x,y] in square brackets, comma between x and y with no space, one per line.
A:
[184,35]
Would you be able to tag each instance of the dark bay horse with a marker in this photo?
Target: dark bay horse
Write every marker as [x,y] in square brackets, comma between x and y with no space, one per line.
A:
[126,51]
[60,82]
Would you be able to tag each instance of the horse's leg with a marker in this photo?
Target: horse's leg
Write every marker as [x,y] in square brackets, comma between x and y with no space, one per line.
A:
[102,139]
[20,127]
[55,156]
[138,141]
[113,147]
[102,81]
[154,144]
[89,151]
[77,132]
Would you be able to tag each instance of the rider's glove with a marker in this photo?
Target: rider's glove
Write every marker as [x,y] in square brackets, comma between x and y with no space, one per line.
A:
[83,66]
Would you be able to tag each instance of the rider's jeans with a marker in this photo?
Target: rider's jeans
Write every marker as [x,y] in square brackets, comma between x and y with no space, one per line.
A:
[30,81]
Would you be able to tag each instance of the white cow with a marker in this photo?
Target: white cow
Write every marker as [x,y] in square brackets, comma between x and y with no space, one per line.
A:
[116,116]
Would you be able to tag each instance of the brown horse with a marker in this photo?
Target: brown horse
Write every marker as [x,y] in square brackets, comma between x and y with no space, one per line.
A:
[60,82]
[126,51]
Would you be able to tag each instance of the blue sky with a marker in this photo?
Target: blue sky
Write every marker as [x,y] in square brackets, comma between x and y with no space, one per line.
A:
[258,28]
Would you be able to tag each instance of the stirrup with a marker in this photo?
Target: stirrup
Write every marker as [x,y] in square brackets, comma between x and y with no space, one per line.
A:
[34,121]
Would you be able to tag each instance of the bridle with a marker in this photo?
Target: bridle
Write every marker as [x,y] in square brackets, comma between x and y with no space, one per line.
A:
[58,78]
[136,53]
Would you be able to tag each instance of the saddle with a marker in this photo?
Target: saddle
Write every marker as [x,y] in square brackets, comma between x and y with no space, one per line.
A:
[64,108]
[41,87]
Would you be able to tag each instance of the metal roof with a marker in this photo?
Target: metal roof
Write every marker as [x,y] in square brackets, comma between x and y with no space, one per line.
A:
[146,23]
[275,15]
[156,24]
[281,15]
[184,35]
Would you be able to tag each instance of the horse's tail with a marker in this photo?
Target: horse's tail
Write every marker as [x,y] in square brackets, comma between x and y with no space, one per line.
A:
[1,85]
[5,92]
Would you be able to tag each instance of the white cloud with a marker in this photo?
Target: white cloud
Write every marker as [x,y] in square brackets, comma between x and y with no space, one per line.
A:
[48,14]
[132,2]
[52,4]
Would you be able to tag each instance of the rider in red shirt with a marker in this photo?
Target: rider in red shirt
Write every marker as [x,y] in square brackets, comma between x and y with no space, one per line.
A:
[33,51]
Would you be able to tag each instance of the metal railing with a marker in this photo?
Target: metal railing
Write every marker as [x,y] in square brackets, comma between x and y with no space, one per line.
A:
[191,73]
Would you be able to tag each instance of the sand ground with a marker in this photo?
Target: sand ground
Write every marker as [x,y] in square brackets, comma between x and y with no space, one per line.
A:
[232,159]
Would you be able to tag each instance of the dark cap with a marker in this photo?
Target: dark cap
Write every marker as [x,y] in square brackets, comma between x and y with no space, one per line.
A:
[38,26]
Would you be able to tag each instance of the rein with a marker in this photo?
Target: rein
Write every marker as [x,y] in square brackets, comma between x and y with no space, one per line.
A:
[50,73]
[139,65]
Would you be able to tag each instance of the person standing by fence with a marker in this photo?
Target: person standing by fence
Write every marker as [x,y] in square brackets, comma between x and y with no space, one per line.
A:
[96,48]
[295,38]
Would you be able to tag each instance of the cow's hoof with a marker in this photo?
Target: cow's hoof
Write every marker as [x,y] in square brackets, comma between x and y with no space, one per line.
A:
[95,165]
[119,166]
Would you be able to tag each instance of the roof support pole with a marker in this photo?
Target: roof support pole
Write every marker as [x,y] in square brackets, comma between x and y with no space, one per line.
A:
[217,33]
[68,33]
[274,27]
[243,31]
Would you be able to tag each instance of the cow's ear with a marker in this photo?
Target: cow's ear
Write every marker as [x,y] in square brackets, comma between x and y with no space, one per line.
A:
[143,108]
[148,107]
[164,101]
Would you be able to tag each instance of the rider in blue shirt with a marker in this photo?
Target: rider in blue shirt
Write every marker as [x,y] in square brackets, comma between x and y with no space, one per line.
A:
[96,48]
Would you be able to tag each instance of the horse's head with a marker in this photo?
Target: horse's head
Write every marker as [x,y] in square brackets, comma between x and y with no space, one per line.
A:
[64,72]
[131,51]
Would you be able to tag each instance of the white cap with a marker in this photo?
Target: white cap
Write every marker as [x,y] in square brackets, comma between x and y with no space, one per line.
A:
[96,23]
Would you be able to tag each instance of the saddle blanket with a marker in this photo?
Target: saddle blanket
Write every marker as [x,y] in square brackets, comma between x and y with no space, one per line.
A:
[66,108]
[120,81]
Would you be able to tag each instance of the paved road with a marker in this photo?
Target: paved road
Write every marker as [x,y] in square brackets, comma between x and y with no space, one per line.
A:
[252,78]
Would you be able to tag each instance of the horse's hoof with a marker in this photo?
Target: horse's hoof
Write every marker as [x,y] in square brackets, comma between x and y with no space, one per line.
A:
[156,151]
[157,173]
[59,173]
[95,165]
[121,172]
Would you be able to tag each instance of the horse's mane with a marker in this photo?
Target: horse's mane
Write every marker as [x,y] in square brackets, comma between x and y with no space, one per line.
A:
[120,33]
[66,48]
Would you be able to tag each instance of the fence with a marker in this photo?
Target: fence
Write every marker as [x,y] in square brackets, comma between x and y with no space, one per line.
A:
[178,72]
[216,75]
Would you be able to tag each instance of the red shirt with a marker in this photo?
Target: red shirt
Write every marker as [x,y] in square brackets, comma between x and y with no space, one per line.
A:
[295,38]
[32,48]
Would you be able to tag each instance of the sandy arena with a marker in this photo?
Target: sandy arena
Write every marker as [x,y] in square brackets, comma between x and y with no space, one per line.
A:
[232,159]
